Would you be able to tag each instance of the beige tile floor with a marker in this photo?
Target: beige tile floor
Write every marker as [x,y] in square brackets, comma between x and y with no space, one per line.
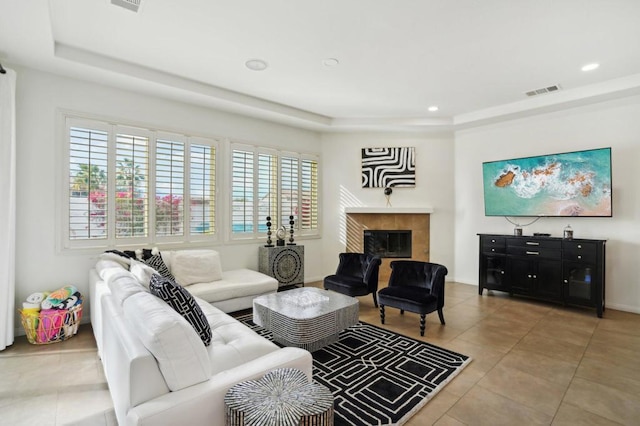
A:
[533,363]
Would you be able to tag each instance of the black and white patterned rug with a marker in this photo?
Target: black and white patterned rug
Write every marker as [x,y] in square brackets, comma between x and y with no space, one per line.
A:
[379,377]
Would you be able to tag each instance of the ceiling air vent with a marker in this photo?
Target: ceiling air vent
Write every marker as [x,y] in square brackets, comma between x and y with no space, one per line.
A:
[549,89]
[133,5]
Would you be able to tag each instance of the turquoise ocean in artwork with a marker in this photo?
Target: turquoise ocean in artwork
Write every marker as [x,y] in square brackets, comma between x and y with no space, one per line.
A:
[567,184]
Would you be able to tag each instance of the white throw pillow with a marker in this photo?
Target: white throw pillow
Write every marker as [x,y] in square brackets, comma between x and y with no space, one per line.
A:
[166,257]
[142,272]
[196,266]
[181,355]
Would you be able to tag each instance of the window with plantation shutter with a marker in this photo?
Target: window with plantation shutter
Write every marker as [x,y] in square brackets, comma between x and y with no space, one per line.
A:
[202,189]
[267,190]
[88,172]
[132,185]
[242,192]
[309,195]
[289,188]
[170,188]
[269,183]
[127,187]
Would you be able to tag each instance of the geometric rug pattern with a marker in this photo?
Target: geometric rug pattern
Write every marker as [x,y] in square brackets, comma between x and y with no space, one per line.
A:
[379,377]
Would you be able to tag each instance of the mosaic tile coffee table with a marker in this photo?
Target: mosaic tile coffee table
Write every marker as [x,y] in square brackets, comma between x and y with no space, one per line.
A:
[308,317]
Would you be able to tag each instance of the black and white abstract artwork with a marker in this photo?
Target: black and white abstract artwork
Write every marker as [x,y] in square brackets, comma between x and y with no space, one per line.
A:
[388,167]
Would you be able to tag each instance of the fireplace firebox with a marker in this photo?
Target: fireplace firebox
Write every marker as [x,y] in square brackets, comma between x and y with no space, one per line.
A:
[388,243]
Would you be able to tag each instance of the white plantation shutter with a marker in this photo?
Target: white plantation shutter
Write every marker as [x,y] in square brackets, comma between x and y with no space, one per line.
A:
[202,189]
[309,195]
[289,190]
[270,183]
[88,155]
[242,191]
[267,190]
[170,188]
[132,186]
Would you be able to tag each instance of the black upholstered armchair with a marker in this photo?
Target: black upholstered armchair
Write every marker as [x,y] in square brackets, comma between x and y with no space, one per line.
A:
[415,287]
[357,275]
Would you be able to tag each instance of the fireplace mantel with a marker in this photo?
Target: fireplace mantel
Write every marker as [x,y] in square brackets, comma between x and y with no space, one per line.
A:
[417,219]
[389,210]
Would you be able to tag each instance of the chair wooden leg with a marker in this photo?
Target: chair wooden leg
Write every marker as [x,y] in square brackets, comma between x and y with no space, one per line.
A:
[375,300]
[441,316]
[422,321]
[382,314]
[401,311]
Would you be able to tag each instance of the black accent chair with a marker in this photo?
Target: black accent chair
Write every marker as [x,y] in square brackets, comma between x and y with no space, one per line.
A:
[415,287]
[357,275]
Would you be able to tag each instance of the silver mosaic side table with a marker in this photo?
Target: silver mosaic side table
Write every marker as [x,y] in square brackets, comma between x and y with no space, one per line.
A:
[283,397]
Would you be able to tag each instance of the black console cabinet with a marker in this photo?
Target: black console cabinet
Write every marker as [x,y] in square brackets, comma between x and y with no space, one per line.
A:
[546,268]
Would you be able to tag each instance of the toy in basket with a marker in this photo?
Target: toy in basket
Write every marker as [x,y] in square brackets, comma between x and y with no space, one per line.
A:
[52,317]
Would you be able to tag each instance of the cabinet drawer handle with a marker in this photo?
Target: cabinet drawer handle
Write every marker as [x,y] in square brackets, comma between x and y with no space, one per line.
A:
[532,243]
[579,257]
[533,252]
[502,272]
[566,281]
[579,246]
[493,249]
[493,241]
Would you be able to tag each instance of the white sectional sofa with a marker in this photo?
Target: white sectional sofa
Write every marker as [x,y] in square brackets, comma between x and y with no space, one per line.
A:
[200,271]
[158,369]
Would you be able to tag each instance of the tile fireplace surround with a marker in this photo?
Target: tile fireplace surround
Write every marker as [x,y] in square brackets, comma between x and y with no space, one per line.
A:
[388,218]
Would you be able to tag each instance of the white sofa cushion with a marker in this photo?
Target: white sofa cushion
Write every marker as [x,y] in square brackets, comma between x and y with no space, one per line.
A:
[181,355]
[183,303]
[232,343]
[234,284]
[196,266]
[236,344]
[123,284]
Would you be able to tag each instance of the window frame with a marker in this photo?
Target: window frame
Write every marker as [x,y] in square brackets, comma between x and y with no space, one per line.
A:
[70,120]
[257,234]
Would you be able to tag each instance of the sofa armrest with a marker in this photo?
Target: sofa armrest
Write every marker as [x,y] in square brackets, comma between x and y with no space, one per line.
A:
[203,404]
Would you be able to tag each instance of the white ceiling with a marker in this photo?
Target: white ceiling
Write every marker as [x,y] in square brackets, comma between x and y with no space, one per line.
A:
[475,59]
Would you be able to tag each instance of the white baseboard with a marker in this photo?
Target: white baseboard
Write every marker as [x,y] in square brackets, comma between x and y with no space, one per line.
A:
[621,307]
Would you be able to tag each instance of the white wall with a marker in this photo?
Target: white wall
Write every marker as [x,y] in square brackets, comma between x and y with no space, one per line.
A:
[448,174]
[342,187]
[615,124]
[39,97]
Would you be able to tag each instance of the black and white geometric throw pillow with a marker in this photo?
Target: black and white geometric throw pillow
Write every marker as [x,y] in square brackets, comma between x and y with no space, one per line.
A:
[156,262]
[183,303]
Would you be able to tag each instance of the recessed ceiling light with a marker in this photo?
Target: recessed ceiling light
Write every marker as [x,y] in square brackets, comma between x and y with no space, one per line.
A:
[330,62]
[590,67]
[433,108]
[256,65]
